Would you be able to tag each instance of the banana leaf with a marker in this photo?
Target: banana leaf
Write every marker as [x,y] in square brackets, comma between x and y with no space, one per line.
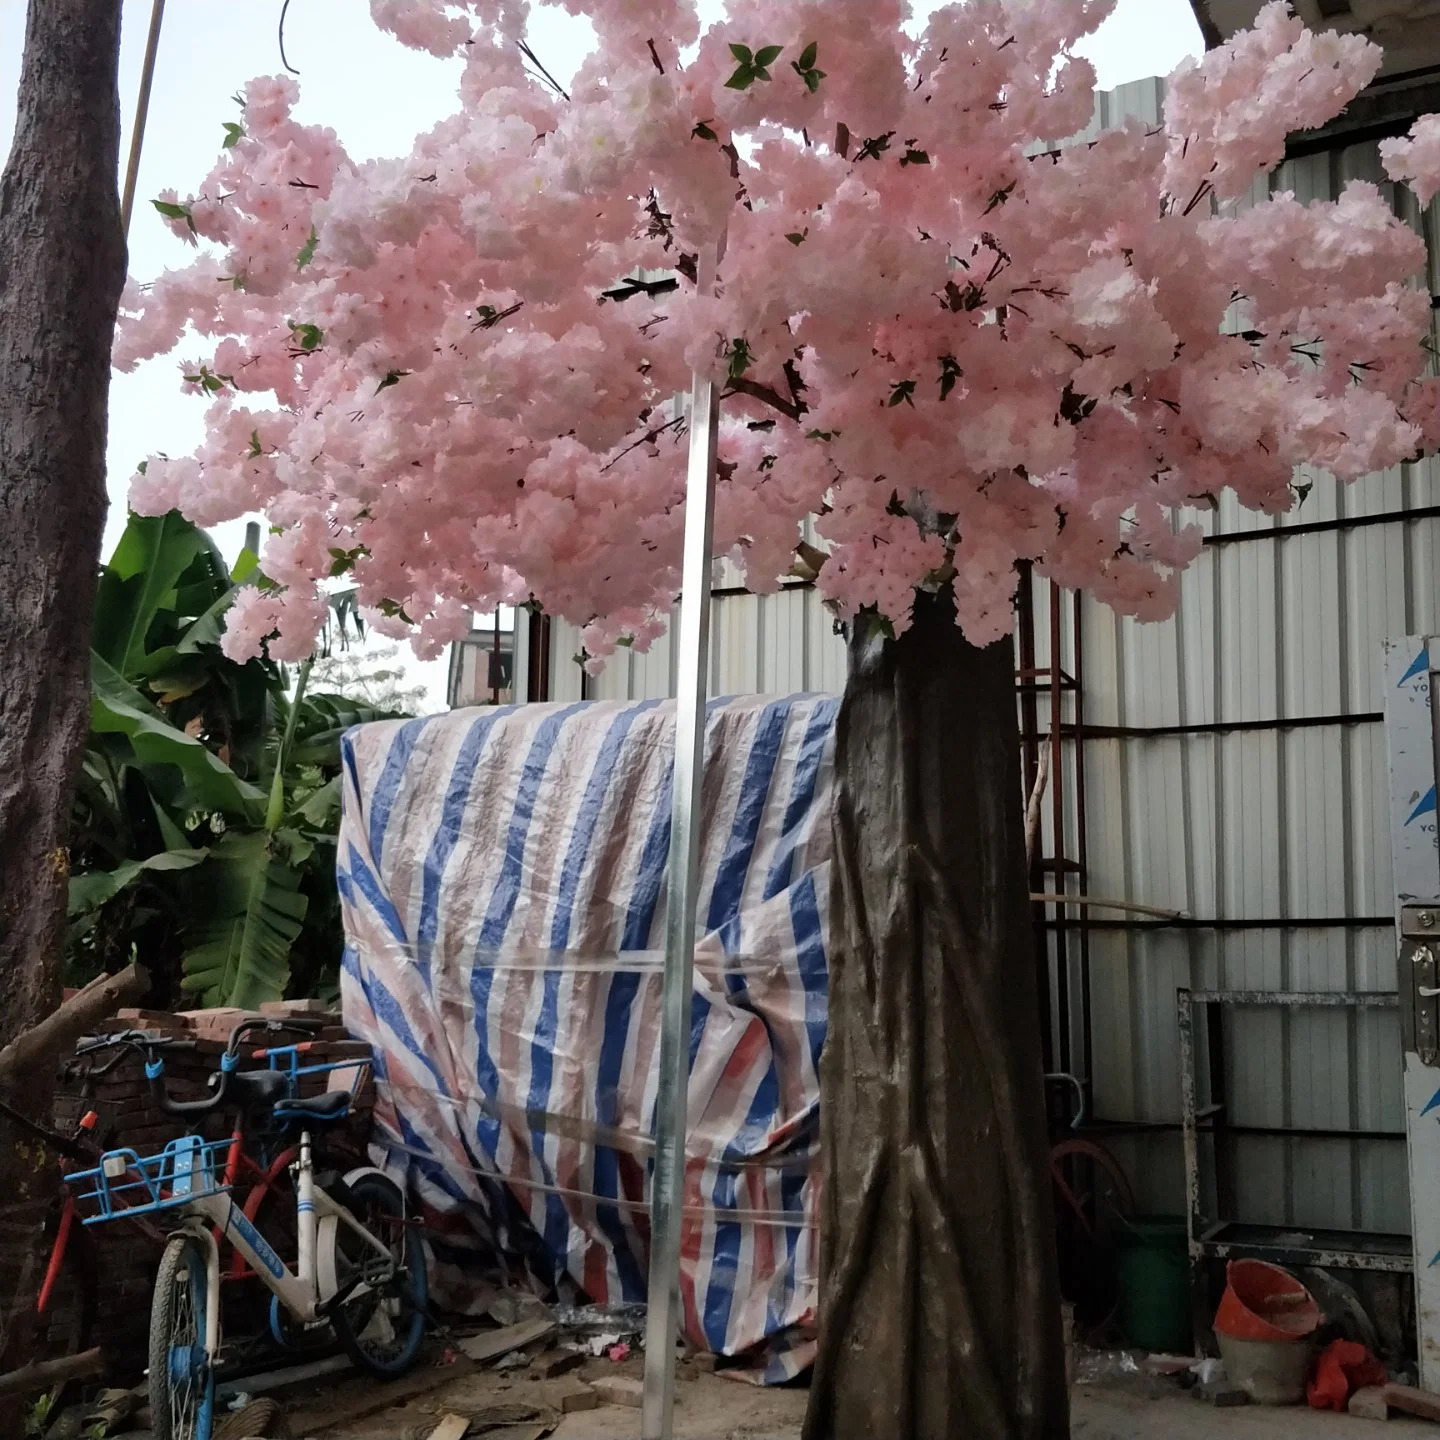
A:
[254,912]
[118,708]
[154,556]
[89,892]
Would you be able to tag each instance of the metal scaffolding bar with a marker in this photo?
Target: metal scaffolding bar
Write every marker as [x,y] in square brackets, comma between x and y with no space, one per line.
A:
[668,1182]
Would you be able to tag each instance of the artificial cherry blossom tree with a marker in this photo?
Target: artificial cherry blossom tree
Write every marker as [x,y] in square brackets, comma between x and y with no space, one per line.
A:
[452,375]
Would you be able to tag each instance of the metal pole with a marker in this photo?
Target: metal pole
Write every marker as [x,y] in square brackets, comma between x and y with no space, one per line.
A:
[142,110]
[672,1094]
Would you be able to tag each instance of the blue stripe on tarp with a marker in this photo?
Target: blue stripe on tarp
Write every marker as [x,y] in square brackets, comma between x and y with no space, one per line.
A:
[497,922]
[806,926]
[802,793]
[388,1012]
[447,832]
[596,788]
[808,929]
[507,886]
[735,862]
[347,755]
[388,786]
[725,1246]
[365,882]
[607,1216]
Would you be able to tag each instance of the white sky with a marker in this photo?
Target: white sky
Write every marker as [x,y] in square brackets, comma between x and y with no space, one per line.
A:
[377,95]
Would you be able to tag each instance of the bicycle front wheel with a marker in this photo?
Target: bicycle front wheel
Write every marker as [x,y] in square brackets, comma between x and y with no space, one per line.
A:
[382,1327]
[182,1384]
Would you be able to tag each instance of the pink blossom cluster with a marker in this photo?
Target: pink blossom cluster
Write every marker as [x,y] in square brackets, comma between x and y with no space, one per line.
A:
[454,375]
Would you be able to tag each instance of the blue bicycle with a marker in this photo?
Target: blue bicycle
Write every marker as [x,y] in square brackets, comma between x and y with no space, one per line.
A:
[360,1264]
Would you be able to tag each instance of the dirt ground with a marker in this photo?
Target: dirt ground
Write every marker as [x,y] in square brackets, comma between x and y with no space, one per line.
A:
[709,1407]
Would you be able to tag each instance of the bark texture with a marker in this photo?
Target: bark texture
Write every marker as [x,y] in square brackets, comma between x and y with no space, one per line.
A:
[62,265]
[939,1302]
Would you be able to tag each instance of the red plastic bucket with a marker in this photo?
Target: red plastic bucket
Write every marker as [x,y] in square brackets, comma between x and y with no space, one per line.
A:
[1264,1302]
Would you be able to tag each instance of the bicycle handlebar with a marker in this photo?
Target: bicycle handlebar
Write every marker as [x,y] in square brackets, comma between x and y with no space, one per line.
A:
[300,1026]
[136,1039]
[148,1043]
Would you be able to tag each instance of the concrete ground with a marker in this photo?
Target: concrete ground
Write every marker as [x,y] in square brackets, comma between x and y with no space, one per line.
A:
[709,1407]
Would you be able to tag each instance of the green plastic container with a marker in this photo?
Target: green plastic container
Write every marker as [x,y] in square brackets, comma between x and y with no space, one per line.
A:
[1154,1277]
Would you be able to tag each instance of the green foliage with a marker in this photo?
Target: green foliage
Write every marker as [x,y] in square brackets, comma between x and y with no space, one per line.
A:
[804,67]
[205,818]
[753,67]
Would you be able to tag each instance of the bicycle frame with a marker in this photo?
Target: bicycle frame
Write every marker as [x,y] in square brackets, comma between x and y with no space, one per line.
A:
[303,1291]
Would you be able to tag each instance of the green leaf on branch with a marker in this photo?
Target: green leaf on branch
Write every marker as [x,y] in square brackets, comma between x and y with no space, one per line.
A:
[903,392]
[750,68]
[209,381]
[307,337]
[797,237]
[233,134]
[342,561]
[950,372]
[702,131]
[1000,197]
[172,211]
[804,67]
[254,449]
[307,252]
[392,377]
[739,357]
[394,610]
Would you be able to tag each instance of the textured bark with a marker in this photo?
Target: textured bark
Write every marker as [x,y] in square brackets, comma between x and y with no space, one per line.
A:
[939,1303]
[62,264]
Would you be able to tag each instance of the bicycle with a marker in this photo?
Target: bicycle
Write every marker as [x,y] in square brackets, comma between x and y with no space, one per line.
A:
[66,1304]
[360,1266]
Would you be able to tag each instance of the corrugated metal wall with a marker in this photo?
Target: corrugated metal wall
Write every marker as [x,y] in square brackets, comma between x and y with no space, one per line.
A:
[1268,830]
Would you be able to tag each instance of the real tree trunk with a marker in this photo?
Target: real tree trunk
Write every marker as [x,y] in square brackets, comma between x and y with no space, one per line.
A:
[939,1302]
[62,265]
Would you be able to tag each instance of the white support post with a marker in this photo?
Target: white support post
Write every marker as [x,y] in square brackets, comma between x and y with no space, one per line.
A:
[672,1094]
[1410,733]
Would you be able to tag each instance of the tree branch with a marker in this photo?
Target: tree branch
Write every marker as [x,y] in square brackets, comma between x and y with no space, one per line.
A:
[28,1051]
[791,409]
[45,1372]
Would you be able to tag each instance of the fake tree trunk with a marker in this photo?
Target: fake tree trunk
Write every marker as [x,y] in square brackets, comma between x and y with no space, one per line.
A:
[939,1304]
[62,264]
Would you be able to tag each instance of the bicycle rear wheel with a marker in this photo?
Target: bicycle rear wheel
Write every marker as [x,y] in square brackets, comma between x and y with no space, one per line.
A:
[382,1328]
[182,1384]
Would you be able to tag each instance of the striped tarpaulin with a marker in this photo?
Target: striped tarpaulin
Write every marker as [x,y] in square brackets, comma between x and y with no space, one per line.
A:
[502,873]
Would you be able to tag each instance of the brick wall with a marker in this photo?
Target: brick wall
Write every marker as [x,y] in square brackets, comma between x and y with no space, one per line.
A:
[125,1257]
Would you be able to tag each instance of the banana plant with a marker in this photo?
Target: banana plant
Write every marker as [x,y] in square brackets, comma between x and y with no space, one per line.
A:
[205,818]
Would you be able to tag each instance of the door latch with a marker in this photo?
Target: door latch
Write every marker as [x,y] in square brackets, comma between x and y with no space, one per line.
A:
[1420,992]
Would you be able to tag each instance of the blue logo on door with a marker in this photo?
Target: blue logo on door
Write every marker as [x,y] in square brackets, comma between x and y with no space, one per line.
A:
[257,1242]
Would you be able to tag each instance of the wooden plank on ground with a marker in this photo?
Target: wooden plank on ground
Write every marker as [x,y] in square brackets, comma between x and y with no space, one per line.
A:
[492,1344]
[451,1427]
[1413,1402]
[376,1398]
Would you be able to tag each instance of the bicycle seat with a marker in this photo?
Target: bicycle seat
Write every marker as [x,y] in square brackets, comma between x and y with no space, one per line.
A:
[320,1109]
[258,1087]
